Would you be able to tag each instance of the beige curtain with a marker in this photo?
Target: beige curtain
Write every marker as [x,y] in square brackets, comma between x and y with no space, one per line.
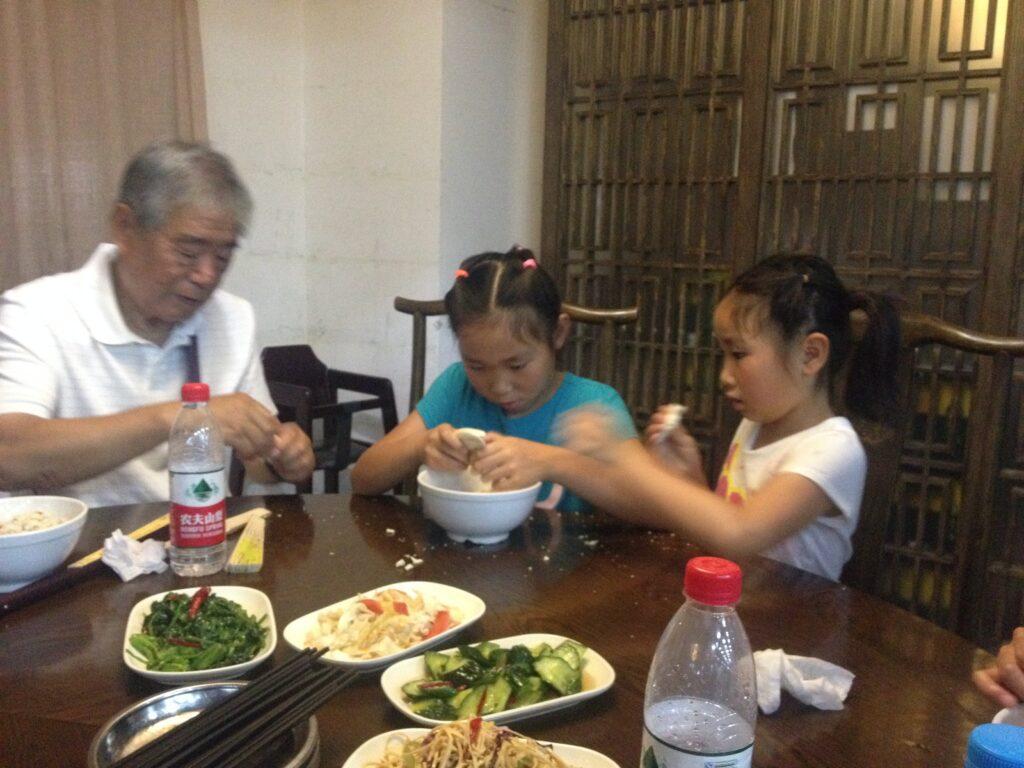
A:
[83,85]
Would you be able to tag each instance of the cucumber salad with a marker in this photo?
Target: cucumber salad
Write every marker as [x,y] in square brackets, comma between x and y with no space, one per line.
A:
[483,679]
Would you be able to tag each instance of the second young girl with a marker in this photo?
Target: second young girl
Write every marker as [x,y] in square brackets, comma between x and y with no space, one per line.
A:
[793,479]
[506,313]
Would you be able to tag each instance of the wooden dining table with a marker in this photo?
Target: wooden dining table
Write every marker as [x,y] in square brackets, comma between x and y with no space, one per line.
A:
[607,584]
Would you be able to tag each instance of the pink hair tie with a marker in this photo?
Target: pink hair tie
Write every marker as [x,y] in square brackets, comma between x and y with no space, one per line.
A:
[530,264]
[461,273]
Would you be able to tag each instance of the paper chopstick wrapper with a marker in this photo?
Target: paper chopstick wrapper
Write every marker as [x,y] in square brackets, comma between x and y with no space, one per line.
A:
[247,556]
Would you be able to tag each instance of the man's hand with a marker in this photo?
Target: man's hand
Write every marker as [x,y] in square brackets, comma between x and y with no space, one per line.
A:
[292,453]
[247,426]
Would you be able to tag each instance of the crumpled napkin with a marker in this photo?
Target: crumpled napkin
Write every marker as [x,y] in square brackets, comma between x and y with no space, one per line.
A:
[130,558]
[819,683]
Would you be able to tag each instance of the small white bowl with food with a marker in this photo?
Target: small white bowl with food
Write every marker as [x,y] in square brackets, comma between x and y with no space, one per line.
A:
[374,628]
[479,516]
[37,533]
[199,633]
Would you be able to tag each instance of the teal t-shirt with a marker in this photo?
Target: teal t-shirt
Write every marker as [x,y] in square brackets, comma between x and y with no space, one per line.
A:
[451,399]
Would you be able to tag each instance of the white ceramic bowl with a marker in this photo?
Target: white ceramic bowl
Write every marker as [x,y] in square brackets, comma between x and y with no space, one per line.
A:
[25,557]
[256,603]
[483,518]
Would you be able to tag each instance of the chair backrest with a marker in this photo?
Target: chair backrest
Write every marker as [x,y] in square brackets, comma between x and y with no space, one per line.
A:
[605,319]
[942,530]
[298,364]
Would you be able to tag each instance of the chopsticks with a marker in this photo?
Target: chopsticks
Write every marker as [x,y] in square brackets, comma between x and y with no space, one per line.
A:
[230,733]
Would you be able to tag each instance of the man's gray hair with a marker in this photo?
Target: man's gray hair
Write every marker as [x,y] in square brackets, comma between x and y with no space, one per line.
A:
[170,175]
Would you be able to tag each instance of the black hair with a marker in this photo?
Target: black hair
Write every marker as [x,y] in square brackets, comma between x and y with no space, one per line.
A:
[510,282]
[802,294]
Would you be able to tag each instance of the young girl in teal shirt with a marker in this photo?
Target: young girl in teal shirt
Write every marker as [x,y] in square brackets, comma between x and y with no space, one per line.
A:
[506,313]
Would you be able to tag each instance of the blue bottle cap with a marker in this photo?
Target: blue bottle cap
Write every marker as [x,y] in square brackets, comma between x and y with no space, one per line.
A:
[995,745]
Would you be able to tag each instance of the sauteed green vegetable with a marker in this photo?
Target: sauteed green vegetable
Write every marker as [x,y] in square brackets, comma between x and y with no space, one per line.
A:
[183,634]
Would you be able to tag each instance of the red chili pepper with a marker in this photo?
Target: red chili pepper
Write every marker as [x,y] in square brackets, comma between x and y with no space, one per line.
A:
[474,729]
[436,684]
[373,605]
[197,601]
[401,608]
[480,707]
[185,643]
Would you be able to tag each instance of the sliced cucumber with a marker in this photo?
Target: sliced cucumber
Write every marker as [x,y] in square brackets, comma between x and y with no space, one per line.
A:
[428,689]
[435,709]
[530,692]
[559,675]
[471,703]
[568,654]
[437,663]
[497,696]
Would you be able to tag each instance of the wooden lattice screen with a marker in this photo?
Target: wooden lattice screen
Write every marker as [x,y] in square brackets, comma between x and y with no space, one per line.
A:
[688,139]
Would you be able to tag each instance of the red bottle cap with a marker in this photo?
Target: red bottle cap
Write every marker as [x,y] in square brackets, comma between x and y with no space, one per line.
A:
[713,581]
[195,392]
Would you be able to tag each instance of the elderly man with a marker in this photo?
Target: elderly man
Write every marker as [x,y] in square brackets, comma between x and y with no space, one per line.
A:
[92,361]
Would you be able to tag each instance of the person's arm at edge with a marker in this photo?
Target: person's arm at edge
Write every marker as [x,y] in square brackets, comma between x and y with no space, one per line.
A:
[41,454]
[632,486]
[392,458]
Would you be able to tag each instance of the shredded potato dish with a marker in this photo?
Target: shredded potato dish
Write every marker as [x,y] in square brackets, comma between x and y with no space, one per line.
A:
[380,624]
[36,520]
[472,743]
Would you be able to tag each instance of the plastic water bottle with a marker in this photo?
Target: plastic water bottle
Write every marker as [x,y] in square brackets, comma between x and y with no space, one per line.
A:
[196,463]
[701,701]
[996,745]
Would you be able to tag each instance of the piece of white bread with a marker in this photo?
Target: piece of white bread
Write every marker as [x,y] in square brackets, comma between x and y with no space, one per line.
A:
[675,413]
[474,440]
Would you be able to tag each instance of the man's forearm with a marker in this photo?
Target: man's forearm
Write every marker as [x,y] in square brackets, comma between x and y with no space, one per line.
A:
[40,454]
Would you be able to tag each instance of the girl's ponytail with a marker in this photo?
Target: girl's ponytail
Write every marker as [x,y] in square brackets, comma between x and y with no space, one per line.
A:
[872,387]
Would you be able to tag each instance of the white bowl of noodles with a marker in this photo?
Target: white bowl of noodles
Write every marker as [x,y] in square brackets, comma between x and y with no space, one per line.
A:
[37,533]
[387,750]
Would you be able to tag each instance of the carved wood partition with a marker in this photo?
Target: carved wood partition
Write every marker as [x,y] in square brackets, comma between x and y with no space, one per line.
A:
[686,139]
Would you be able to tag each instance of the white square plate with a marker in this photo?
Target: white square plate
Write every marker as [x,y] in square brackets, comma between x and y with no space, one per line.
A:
[468,605]
[598,677]
[372,751]
[252,600]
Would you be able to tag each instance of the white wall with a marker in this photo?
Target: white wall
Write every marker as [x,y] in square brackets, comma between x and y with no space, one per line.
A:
[384,141]
[253,66]
[373,94]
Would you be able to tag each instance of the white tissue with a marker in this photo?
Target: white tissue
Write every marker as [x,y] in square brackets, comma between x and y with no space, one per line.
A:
[130,558]
[819,683]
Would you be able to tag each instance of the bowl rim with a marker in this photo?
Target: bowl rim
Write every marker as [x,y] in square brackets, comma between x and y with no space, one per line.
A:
[495,495]
[11,539]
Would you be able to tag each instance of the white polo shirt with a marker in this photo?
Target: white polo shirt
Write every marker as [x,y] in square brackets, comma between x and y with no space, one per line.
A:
[66,352]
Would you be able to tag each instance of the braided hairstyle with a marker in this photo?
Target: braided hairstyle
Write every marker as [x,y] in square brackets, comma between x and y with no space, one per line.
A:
[511,283]
[800,294]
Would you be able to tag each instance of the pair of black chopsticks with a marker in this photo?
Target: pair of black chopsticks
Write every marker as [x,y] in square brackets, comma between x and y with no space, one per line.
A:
[232,732]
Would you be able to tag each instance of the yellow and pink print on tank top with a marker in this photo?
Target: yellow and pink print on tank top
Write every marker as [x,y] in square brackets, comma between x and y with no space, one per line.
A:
[728,487]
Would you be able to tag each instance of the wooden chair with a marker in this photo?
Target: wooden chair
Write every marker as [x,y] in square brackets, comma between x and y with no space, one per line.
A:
[942,522]
[605,320]
[305,391]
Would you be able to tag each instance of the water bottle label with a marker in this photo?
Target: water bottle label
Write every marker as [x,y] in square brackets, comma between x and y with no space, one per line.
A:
[197,508]
[655,753]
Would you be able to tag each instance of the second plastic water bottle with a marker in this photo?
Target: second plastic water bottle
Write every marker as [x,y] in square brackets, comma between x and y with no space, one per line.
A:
[701,703]
[195,458]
